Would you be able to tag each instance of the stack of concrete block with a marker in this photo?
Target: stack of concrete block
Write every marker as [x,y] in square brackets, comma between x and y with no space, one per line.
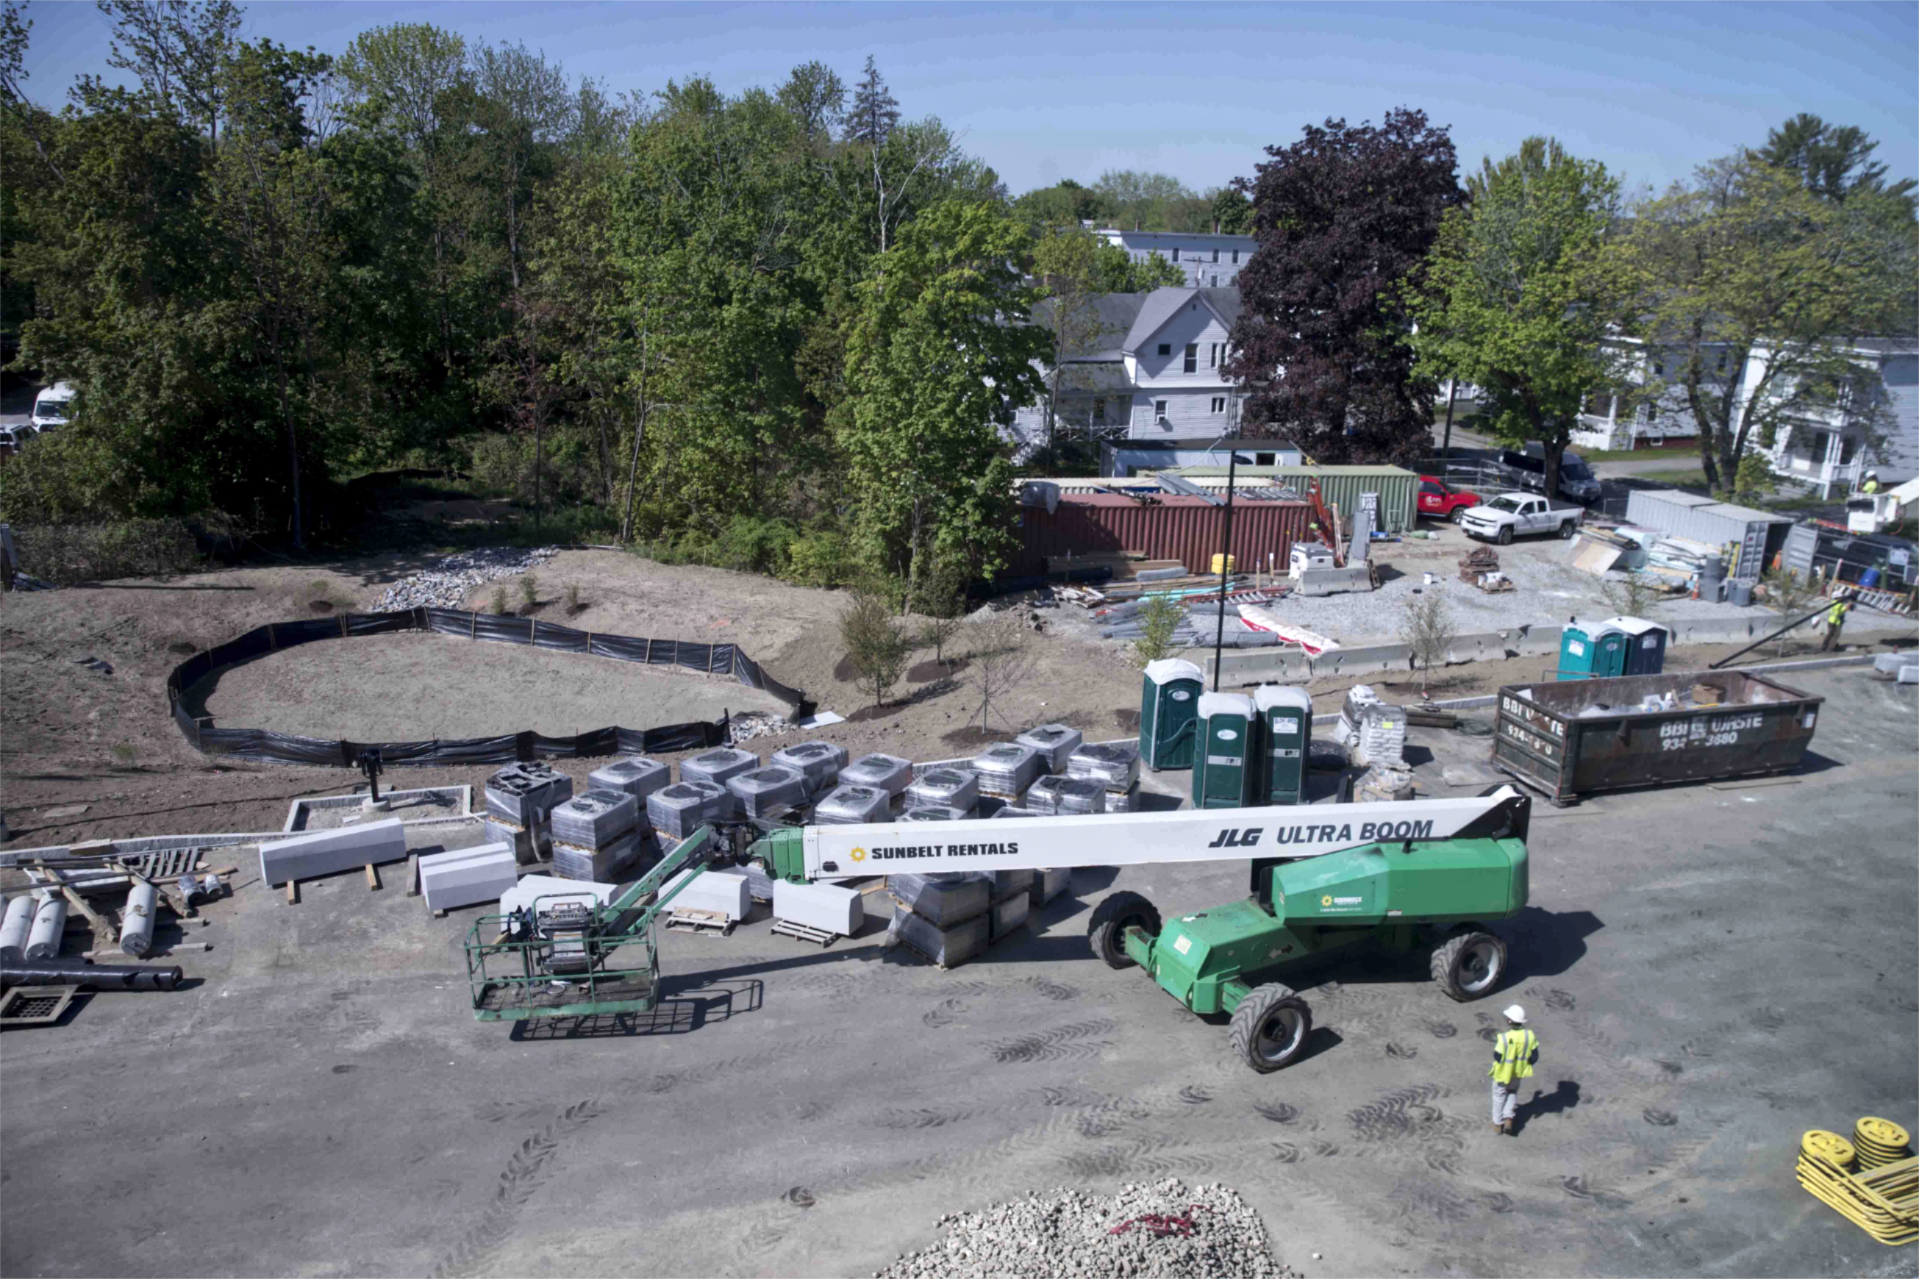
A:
[1006,770]
[936,814]
[1047,884]
[827,907]
[718,891]
[1115,767]
[719,765]
[519,799]
[1014,810]
[947,918]
[595,835]
[1009,883]
[1381,738]
[1009,913]
[818,762]
[326,852]
[764,791]
[637,775]
[1061,794]
[889,773]
[1383,782]
[682,808]
[467,875]
[14,928]
[759,885]
[1055,744]
[944,788]
[1352,711]
[852,805]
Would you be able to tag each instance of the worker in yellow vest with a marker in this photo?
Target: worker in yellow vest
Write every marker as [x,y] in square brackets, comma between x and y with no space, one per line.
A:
[1872,483]
[1515,1052]
[1836,618]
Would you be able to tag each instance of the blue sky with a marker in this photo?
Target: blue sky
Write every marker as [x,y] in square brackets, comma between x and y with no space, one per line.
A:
[1043,92]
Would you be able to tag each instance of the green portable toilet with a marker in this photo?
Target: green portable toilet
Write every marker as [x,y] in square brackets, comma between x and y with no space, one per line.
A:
[1225,764]
[1592,651]
[1168,705]
[1285,740]
[1645,645]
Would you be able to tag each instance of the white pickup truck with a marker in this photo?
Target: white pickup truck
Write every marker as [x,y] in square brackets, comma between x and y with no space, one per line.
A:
[1510,514]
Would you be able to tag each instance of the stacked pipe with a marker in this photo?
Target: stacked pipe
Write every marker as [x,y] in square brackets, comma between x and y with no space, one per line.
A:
[595,835]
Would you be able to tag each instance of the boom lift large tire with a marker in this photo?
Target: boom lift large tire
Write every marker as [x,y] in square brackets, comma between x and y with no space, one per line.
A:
[1111,919]
[1271,1027]
[1470,963]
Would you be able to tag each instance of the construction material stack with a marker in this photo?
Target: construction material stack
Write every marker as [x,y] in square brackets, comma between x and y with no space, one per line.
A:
[682,808]
[465,876]
[595,835]
[1006,770]
[947,788]
[1224,766]
[637,775]
[1066,795]
[817,912]
[519,799]
[719,766]
[1012,892]
[818,762]
[1169,701]
[1115,767]
[851,805]
[929,814]
[763,793]
[1054,743]
[946,918]
[889,773]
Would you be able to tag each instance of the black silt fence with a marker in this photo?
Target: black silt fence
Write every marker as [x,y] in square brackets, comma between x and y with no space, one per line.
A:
[285,748]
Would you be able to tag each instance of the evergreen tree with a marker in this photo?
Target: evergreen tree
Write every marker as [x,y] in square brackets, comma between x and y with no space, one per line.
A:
[875,112]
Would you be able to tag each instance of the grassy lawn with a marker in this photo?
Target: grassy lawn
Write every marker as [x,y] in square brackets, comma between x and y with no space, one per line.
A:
[1637,455]
[1676,478]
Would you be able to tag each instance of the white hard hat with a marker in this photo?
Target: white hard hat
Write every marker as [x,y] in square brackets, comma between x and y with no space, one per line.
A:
[1516,1013]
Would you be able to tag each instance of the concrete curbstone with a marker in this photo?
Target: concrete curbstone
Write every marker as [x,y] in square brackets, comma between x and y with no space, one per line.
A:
[329,851]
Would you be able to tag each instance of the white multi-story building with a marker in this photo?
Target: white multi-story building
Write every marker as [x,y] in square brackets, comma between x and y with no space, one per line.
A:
[1209,261]
[1872,423]
[1149,366]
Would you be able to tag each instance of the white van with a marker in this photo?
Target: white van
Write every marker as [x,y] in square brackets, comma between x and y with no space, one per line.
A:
[53,406]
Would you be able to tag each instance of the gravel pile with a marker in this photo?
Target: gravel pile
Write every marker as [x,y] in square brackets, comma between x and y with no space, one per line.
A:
[448,583]
[1144,1232]
[753,724]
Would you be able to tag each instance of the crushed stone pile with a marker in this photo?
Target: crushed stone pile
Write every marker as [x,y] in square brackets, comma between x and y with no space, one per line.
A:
[1144,1232]
[447,584]
[750,724]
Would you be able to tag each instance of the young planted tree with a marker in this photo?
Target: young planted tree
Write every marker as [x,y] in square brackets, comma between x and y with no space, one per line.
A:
[1790,596]
[1344,218]
[1636,594]
[1521,289]
[1427,627]
[877,645]
[1000,661]
[1159,619]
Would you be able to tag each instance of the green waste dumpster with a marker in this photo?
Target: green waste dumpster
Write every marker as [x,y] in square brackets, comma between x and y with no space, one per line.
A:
[1592,651]
[1645,645]
[1168,704]
[1285,742]
[1225,772]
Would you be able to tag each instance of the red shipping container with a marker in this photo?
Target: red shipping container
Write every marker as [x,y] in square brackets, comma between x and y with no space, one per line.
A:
[1187,529]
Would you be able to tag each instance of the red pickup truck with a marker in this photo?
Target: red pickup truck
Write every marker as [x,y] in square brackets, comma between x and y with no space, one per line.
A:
[1440,501]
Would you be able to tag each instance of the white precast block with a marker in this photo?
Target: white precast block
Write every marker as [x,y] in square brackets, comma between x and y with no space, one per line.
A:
[14,929]
[326,852]
[714,890]
[467,875]
[556,891]
[826,907]
[49,922]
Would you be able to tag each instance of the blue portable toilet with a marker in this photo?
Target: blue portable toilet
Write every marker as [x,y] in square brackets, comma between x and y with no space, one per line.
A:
[1645,644]
[1592,651]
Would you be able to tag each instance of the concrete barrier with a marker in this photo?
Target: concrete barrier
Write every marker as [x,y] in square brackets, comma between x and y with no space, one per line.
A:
[467,875]
[327,852]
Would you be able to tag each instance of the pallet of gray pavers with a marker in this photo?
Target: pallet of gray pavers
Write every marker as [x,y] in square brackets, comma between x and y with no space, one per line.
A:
[467,875]
[529,845]
[948,946]
[595,865]
[853,805]
[328,852]
[763,791]
[718,765]
[930,814]
[637,775]
[818,762]
[684,807]
[1009,883]
[1008,915]
[525,793]
[889,773]
[1014,810]
[944,788]
[594,819]
[1054,742]
[1054,794]
[1113,766]
[1006,770]
[1047,884]
[943,899]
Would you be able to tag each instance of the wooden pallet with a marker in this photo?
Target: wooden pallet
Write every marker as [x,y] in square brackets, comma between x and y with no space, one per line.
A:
[819,936]
[712,922]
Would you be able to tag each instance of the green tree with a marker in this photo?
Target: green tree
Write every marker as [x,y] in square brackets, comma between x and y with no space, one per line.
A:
[1835,162]
[1754,291]
[1232,212]
[936,360]
[1520,290]
[875,112]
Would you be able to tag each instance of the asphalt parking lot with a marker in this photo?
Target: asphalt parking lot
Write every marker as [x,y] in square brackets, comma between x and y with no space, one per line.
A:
[1711,969]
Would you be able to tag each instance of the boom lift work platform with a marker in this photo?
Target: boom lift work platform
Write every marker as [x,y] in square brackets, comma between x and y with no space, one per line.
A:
[1416,873]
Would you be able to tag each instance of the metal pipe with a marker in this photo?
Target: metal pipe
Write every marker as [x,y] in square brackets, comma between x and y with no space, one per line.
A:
[1775,635]
[49,922]
[136,921]
[1225,565]
[15,927]
[93,976]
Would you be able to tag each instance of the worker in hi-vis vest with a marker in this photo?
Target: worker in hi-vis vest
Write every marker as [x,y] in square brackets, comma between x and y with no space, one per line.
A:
[1835,619]
[1515,1052]
[1872,483]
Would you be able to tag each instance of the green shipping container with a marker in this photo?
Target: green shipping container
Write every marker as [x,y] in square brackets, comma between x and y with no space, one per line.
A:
[1597,651]
[1225,767]
[1168,706]
[1340,486]
[1285,741]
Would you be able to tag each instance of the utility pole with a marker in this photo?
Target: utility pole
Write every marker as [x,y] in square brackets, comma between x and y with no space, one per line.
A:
[1452,390]
[1225,561]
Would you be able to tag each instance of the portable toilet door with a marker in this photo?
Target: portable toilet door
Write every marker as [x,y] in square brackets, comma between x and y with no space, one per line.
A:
[1168,707]
[1645,645]
[1225,766]
[1592,652]
[1286,739]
